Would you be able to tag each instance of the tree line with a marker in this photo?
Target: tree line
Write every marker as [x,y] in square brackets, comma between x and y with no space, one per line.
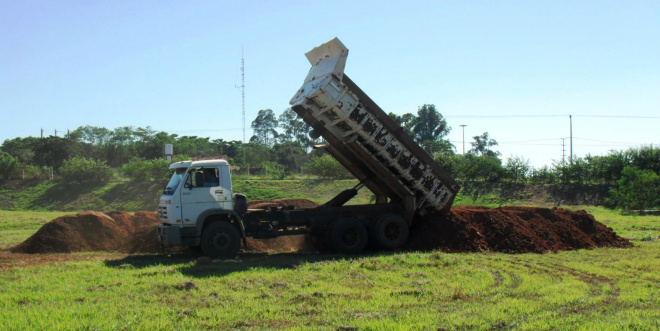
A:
[281,147]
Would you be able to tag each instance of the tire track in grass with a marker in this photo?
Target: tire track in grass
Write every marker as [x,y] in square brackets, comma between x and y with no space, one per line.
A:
[595,283]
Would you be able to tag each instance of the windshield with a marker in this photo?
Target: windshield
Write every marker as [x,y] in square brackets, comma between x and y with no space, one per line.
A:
[174,182]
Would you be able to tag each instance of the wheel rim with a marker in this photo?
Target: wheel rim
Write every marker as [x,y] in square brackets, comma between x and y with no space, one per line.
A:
[392,231]
[221,241]
[350,237]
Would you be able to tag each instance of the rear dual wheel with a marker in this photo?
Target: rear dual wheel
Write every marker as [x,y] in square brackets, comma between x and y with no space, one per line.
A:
[348,236]
[390,231]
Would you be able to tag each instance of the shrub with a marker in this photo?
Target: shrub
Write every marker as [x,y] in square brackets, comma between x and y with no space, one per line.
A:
[8,164]
[82,170]
[140,170]
[327,167]
[517,169]
[637,189]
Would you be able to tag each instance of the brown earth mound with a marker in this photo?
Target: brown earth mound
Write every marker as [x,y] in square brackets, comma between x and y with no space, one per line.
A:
[473,229]
[511,230]
[95,231]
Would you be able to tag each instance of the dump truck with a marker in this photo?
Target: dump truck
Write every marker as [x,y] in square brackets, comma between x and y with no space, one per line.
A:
[198,207]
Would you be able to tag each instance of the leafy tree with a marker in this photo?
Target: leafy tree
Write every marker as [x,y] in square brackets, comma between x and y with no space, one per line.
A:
[272,170]
[517,168]
[637,189]
[477,168]
[578,171]
[264,128]
[405,121]
[327,167]
[150,144]
[53,151]
[231,149]
[8,164]
[442,147]
[82,170]
[91,134]
[140,170]
[646,157]
[294,129]
[290,155]
[482,146]
[543,175]
[429,126]
[23,149]
[254,154]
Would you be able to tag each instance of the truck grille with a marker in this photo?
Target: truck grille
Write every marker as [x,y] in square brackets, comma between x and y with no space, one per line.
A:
[162,212]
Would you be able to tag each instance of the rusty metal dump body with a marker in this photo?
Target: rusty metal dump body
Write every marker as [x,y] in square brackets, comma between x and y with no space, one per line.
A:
[365,140]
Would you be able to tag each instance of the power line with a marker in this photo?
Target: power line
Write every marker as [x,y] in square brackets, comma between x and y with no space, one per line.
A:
[553,115]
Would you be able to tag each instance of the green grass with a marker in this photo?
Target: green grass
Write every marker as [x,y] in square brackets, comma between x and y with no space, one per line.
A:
[600,289]
[16,226]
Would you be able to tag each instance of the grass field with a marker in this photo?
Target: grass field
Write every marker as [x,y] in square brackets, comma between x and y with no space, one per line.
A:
[600,289]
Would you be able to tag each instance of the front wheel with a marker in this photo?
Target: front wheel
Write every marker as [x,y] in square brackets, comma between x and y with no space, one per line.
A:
[220,240]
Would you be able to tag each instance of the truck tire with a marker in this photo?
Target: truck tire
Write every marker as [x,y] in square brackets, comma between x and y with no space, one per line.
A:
[390,231]
[220,240]
[348,236]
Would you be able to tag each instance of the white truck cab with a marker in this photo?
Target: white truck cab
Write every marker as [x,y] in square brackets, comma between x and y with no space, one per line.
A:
[196,191]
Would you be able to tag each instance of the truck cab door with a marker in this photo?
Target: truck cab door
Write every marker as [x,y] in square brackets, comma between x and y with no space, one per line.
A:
[202,190]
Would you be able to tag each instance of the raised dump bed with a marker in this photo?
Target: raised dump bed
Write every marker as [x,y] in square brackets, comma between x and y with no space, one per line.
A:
[365,140]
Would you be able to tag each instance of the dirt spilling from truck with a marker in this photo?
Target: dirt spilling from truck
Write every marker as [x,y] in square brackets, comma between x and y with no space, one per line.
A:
[464,229]
[511,230]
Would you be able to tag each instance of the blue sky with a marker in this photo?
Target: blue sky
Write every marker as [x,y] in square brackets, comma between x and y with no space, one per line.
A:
[515,69]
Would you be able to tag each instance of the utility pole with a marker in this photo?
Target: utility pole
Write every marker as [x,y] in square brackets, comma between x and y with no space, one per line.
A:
[42,133]
[570,119]
[463,127]
[563,150]
[242,86]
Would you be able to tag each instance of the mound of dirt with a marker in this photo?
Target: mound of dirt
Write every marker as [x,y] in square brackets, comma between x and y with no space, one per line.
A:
[472,229]
[95,231]
[511,230]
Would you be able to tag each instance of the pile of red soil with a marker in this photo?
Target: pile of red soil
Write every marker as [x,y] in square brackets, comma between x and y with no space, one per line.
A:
[95,231]
[122,232]
[472,229]
[511,230]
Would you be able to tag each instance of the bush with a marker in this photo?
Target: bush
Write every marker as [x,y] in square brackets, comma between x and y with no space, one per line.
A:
[272,170]
[543,175]
[8,165]
[517,169]
[637,190]
[140,170]
[327,167]
[82,170]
